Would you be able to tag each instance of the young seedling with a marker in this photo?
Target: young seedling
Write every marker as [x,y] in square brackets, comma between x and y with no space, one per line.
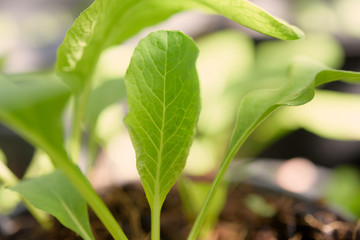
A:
[163,97]
[164,105]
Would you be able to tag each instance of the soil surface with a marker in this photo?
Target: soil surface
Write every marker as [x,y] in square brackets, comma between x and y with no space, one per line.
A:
[294,218]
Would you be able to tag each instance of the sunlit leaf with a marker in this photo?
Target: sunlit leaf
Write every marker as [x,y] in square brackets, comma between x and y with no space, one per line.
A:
[304,75]
[110,22]
[54,194]
[164,104]
[33,107]
[252,16]
[103,24]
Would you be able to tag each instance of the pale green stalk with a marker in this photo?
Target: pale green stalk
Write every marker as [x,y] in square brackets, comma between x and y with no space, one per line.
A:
[155,222]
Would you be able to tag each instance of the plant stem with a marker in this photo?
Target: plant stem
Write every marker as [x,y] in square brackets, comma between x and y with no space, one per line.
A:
[92,150]
[80,104]
[76,132]
[155,221]
[214,186]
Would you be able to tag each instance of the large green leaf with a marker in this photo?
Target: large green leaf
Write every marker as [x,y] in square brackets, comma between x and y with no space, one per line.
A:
[54,194]
[304,75]
[109,22]
[164,104]
[33,105]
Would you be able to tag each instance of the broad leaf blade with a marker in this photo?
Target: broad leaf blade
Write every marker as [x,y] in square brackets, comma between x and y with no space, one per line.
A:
[54,194]
[164,104]
[34,108]
[109,22]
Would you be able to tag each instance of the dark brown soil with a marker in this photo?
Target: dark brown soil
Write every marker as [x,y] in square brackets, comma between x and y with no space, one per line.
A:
[295,219]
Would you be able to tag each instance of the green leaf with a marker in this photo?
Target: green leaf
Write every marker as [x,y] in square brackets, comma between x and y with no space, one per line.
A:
[110,22]
[32,105]
[164,104]
[54,194]
[252,16]
[304,75]
[103,24]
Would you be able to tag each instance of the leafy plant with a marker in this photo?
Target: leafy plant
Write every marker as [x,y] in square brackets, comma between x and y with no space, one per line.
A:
[163,96]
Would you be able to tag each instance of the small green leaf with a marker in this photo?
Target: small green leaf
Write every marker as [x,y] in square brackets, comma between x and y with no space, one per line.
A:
[164,104]
[54,194]
[304,75]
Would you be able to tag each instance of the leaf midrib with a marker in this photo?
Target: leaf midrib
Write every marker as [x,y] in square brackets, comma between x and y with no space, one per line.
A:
[73,218]
[158,170]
